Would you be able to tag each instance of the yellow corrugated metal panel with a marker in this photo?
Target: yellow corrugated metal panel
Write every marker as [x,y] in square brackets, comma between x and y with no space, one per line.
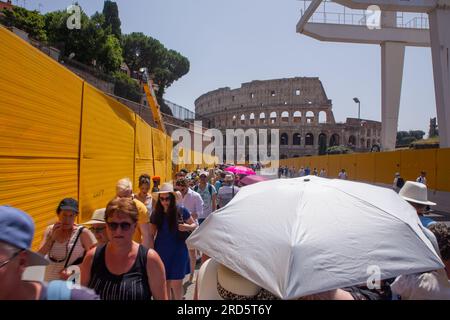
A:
[159,144]
[334,166]
[414,161]
[144,151]
[160,169]
[365,170]
[159,153]
[36,186]
[40,102]
[386,165]
[107,149]
[169,147]
[141,167]
[443,170]
[321,162]
[144,147]
[348,162]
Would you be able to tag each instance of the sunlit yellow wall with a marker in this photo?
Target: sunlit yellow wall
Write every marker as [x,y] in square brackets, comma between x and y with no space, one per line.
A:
[144,151]
[107,149]
[380,167]
[39,130]
[60,137]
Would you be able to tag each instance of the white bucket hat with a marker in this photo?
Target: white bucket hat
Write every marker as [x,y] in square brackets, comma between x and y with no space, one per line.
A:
[97,217]
[213,277]
[166,187]
[415,192]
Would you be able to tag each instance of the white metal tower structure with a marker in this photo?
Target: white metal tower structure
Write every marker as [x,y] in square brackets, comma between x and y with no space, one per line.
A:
[392,36]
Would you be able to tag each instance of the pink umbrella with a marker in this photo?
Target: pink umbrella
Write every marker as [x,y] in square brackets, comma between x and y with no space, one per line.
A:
[248,180]
[240,170]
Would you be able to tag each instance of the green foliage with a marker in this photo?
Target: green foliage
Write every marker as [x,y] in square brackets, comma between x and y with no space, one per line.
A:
[339,150]
[112,20]
[100,43]
[29,21]
[165,65]
[405,138]
[127,87]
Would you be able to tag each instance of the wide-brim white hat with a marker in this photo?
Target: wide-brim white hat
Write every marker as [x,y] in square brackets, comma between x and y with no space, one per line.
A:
[211,273]
[97,217]
[166,187]
[415,192]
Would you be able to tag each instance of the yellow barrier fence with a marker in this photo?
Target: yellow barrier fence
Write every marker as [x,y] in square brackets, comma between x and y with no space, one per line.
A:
[61,137]
[380,167]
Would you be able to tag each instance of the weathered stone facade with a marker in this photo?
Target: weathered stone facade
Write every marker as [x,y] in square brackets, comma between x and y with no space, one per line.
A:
[298,107]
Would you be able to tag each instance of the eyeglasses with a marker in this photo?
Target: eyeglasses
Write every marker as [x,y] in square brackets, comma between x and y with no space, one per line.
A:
[98,229]
[164,199]
[125,226]
[4,263]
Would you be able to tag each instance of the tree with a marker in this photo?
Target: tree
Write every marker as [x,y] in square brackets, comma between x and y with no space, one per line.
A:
[126,87]
[339,150]
[173,68]
[111,14]
[141,51]
[29,21]
[110,55]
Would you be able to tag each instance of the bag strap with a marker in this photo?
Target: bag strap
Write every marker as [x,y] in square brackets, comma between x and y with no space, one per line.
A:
[73,246]
[59,290]
[210,189]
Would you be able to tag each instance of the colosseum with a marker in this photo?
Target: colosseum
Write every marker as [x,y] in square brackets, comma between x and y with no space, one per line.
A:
[298,107]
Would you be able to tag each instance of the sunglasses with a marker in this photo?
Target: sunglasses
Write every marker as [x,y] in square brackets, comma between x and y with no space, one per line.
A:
[164,199]
[98,230]
[125,226]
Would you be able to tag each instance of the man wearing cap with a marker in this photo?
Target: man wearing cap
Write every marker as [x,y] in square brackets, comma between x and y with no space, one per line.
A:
[16,236]
[208,194]
[416,194]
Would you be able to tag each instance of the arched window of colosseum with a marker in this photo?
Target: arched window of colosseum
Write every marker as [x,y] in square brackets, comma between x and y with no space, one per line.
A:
[252,118]
[334,140]
[322,143]
[284,140]
[309,139]
[262,118]
[368,143]
[285,116]
[352,140]
[309,117]
[374,142]
[283,156]
[243,119]
[296,156]
[234,120]
[297,92]
[362,142]
[296,139]
[369,132]
[273,117]
[322,117]
[297,116]
[252,95]
[273,93]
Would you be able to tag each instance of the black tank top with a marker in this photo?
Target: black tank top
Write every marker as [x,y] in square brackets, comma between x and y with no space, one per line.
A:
[132,285]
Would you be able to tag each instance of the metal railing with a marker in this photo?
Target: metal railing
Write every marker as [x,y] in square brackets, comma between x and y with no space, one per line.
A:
[333,13]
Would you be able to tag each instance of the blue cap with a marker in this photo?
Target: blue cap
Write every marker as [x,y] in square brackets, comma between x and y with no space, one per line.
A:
[17,229]
[68,204]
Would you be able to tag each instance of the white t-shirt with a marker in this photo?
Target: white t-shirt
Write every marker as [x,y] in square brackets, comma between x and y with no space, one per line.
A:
[193,202]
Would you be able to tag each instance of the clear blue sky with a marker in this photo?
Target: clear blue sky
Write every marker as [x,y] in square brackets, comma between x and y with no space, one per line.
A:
[236,41]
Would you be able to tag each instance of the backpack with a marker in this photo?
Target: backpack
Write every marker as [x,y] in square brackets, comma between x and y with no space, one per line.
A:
[59,290]
[400,182]
[209,189]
